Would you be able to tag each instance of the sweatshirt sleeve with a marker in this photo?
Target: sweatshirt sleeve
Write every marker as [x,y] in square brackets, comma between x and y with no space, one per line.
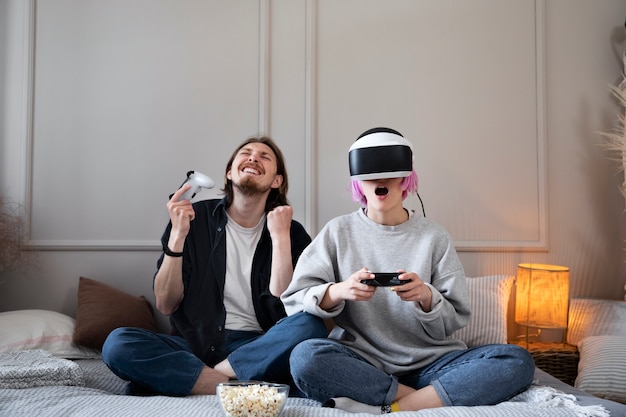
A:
[450,303]
[312,276]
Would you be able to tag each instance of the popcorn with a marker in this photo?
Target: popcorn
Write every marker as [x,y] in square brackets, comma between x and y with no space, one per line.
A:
[253,400]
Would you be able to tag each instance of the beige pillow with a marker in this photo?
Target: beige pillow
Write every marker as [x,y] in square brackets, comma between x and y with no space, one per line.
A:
[595,317]
[102,308]
[489,300]
[602,367]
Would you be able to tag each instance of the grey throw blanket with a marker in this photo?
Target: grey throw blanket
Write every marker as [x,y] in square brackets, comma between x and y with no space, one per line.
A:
[36,368]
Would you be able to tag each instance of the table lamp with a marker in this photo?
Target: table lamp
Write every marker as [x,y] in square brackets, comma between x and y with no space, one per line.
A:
[542,296]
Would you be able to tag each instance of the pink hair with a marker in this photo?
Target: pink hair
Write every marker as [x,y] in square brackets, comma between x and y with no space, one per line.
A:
[408,184]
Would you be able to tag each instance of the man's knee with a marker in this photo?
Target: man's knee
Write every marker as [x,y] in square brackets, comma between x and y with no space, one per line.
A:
[315,324]
[115,345]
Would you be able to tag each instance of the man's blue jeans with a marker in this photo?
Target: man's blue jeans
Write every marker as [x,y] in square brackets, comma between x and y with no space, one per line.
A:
[164,364]
[485,375]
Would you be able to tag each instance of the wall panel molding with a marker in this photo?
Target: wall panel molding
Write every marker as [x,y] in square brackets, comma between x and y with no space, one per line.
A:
[30,27]
[541,244]
[94,245]
[264,66]
[313,220]
[28,91]
[472,102]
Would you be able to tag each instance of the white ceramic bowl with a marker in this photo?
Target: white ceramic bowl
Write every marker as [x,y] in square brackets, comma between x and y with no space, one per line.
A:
[252,398]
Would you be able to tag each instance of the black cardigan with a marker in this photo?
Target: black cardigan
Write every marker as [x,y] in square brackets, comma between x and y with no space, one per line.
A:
[201,315]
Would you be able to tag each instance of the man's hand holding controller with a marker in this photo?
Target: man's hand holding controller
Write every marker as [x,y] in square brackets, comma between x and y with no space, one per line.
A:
[181,210]
[181,214]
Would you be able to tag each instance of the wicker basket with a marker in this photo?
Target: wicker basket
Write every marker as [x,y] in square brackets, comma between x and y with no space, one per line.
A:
[558,359]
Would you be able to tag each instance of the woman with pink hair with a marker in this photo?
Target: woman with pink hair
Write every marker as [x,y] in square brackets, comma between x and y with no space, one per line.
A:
[392,347]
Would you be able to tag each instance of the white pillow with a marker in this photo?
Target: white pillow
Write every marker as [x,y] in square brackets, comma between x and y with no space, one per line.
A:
[489,300]
[41,329]
[602,367]
[595,317]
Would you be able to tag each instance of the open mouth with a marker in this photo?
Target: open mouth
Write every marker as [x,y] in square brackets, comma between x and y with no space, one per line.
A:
[381,191]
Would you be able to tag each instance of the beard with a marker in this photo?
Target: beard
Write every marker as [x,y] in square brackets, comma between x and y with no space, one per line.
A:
[248,187]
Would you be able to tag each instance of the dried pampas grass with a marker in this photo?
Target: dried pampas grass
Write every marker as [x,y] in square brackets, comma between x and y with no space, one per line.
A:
[615,142]
[13,253]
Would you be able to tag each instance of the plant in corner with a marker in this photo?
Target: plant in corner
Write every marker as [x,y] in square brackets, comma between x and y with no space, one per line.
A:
[615,141]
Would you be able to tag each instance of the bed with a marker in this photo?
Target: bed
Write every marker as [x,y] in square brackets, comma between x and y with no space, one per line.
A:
[45,372]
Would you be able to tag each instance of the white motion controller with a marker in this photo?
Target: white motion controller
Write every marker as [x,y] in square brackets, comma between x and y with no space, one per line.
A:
[197,180]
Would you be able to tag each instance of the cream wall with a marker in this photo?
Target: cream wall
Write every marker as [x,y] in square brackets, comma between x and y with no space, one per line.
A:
[106,104]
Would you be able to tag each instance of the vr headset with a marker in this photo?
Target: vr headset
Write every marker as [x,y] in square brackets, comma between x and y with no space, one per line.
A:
[380,153]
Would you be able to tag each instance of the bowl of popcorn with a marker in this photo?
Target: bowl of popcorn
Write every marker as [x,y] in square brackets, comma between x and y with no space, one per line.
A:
[252,398]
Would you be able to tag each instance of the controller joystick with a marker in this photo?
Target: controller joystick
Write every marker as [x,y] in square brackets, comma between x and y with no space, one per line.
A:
[197,180]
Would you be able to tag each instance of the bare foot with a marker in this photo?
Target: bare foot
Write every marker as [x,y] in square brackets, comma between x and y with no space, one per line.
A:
[207,381]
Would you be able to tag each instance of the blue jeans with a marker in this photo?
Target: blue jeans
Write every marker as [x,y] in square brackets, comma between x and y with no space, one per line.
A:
[164,364]
[485,375]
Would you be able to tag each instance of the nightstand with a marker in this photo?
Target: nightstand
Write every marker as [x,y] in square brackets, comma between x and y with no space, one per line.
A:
[558,359]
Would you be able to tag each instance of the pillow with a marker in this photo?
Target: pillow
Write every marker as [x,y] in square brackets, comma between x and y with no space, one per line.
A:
[595,317]
[40,329]
[489,300]
[102,308]
[602,367]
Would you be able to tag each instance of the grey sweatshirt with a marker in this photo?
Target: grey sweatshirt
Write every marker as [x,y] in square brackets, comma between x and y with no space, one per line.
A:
[394,335]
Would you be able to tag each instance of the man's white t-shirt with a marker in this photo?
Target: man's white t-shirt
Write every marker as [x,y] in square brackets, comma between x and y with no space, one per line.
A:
[241,243]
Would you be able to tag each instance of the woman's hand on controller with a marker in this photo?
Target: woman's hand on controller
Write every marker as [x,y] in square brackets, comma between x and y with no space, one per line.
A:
[416,290]
[351,289]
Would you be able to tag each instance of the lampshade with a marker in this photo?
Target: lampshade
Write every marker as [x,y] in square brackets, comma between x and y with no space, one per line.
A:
[542,296]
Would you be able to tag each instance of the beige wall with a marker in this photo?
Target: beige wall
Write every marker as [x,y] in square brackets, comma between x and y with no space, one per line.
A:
[107,104]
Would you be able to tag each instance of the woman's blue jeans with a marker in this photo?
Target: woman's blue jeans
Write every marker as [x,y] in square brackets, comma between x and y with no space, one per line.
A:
[163,364]
[485,375]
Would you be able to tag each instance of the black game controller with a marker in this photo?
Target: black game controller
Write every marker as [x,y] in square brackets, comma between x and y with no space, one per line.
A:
[385,279]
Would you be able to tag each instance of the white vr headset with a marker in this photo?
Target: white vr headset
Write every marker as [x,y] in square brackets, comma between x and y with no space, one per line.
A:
[380,153]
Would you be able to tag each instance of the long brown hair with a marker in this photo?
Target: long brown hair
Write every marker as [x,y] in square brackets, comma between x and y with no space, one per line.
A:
[277,196]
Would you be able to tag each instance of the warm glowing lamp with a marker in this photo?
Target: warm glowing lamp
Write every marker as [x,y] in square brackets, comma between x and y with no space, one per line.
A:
[542,296]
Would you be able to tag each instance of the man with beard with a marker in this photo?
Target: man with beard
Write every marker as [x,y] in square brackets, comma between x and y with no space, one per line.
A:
[224,265]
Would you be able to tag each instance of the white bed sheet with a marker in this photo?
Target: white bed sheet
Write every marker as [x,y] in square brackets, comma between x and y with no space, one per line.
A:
[102,395]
